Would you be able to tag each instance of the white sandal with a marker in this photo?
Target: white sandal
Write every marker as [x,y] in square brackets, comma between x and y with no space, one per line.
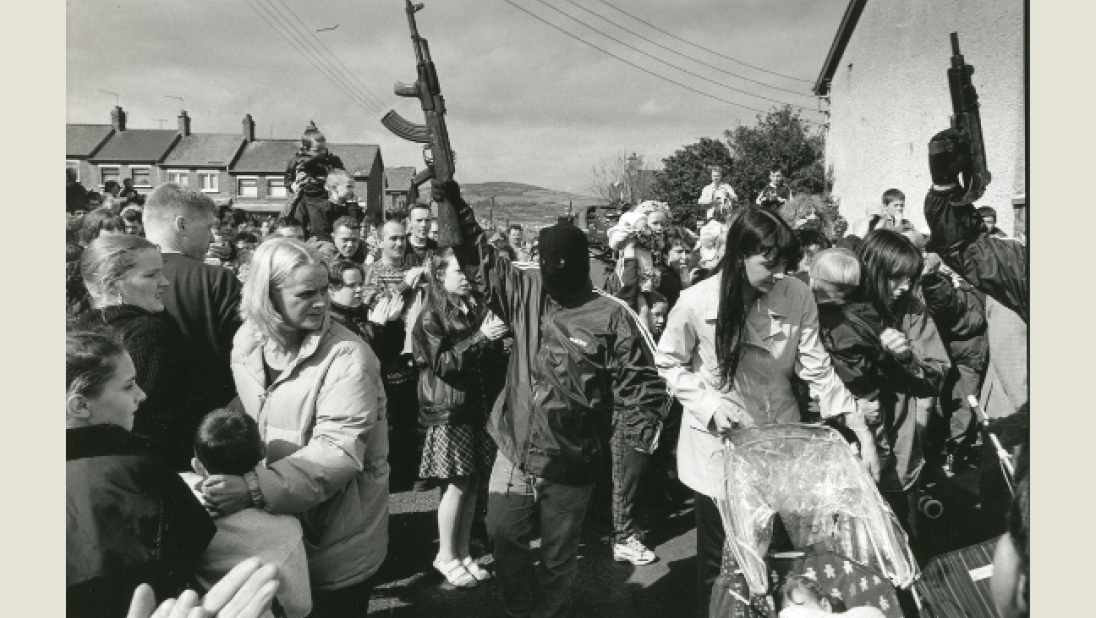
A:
[475,569]
[456,574]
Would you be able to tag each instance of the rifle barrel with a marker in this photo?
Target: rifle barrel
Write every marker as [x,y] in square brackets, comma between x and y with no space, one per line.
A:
[955,44]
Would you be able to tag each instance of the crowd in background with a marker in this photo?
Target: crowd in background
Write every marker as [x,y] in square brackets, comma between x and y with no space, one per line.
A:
[242,388]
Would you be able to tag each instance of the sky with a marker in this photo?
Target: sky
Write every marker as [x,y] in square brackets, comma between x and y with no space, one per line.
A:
[526,103]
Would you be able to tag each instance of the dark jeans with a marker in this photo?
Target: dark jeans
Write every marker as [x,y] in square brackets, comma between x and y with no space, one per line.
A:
[710,538]
[517,503]
[349,602]
[628,468]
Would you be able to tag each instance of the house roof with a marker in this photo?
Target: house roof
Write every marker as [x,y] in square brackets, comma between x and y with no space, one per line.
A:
[358,158]
[137,145]
[398,179]
[270,156]
[82,140]
[266,156]
[840,42]
[205,150]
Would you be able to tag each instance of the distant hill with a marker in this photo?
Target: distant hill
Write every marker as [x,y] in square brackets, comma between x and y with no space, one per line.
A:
[520,203]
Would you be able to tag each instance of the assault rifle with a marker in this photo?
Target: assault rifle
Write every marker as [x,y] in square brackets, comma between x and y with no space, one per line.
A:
[966,120]
[437,153]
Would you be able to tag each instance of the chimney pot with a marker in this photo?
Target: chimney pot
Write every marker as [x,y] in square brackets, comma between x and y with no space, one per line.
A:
[249,128]
[184,123]
[118,118]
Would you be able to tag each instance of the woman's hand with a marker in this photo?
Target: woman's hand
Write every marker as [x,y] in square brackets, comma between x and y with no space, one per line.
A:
[226,492]
[897,344]
[245,592]
[869,410]
[493,327]
[727,419]
[411,278]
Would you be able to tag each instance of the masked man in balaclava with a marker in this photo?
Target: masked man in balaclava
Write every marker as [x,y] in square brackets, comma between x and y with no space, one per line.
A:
[580,364]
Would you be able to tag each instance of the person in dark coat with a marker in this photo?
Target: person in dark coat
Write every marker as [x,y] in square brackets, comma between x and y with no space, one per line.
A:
[75,193]
[130,520]
[203,300]
[306,176]
[125,281]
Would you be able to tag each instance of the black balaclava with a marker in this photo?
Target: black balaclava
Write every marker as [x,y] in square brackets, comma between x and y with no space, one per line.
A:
[565,263]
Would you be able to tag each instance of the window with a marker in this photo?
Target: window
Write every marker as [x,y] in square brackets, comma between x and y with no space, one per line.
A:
[275,187]
[107,174]
[178,177]
[141,176]
[75,167]
[247,187]
[209,182]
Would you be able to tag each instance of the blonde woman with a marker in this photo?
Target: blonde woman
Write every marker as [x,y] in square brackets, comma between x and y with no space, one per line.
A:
[315,390]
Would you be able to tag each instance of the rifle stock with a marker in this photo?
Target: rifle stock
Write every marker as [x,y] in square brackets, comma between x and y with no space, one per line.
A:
[967,120]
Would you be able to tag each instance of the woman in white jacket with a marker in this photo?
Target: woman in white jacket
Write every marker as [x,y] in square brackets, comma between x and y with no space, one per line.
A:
[315,390]
[731,346]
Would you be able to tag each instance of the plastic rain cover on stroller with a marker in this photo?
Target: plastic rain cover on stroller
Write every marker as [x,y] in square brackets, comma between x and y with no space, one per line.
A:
[811,476]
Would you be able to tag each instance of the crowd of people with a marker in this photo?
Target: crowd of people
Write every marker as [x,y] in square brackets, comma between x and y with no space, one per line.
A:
[242,397]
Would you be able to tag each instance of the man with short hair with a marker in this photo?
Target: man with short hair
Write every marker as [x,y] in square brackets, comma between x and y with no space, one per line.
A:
[129,194]
[719,195]
[516,236]
[776,193]
[347,238]
[989,216]
[202,299]
[75,193]
[419,246]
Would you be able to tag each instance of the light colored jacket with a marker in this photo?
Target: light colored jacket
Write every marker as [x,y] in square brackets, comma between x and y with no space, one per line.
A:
[781,340]
[326,432]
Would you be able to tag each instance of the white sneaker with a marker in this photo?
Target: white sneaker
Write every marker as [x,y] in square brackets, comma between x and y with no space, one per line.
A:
[634,551]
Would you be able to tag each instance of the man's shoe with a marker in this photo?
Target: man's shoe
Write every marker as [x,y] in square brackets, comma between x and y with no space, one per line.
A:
[633,550]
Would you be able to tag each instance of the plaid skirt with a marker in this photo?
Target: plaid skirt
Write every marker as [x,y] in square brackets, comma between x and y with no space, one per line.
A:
[456,450]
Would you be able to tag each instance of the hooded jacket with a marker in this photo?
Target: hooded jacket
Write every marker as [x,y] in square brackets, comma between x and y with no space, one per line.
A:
[324,424]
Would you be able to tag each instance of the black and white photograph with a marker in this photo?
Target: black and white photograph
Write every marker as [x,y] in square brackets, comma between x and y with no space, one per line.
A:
[553,308]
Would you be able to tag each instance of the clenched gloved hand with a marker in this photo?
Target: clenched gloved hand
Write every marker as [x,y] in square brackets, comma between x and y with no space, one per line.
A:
[949,156]
[449,191]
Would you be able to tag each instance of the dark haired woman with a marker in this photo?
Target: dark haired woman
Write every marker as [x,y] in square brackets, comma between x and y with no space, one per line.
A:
[891,272]
[732,344]
[129,519]
[452,341]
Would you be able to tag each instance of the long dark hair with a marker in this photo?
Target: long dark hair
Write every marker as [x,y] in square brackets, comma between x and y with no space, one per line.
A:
[439,299]
[754,232]
[886,255]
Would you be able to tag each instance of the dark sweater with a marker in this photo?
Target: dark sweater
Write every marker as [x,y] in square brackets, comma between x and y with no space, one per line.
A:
[153,341]
[204,302]
[129,520]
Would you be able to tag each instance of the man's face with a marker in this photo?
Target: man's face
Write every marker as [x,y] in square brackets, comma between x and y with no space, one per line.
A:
[776,178]
[419,223]
[347,240]
[197,235]
[516,238]
[393,240]
[895,210]
[133,228]
[991,221]
[717,177]
[342,192]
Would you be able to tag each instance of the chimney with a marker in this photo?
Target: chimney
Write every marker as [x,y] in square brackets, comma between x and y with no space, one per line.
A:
[118,118]
[633,163]
[249,129]
[184,123]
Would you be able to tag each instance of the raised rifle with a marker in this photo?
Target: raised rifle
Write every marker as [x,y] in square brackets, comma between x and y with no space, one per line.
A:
[966,120]
[437,152]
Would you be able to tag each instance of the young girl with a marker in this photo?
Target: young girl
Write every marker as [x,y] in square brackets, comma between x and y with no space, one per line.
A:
[892,269]
[452,342]
[130,520]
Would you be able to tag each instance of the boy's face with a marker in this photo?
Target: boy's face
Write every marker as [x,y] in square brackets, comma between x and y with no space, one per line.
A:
[419,222]
[990,220]
[895,210]
[776,178]
[657,221]
[342,192]
[658,317]
[319,144]
[679,255]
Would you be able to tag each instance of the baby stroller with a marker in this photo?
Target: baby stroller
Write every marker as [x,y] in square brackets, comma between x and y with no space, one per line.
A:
[841,531]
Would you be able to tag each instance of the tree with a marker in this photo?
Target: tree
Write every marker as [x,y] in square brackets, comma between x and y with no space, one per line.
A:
[617,179]
[780,138]
[685,174]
